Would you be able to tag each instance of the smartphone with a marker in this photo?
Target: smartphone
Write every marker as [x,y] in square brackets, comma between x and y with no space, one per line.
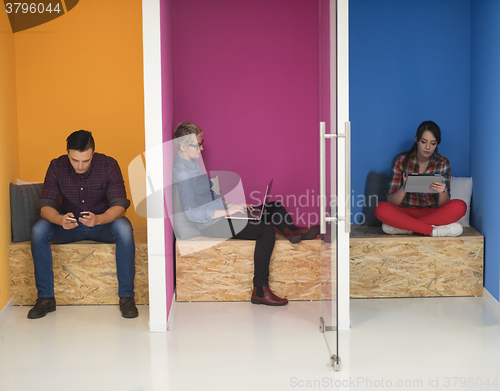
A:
[84,214]
[71,219]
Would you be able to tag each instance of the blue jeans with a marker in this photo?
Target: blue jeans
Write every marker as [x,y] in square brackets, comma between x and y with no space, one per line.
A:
[119,231]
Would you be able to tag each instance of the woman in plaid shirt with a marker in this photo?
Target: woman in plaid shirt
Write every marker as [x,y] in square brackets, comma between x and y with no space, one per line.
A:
[432,214]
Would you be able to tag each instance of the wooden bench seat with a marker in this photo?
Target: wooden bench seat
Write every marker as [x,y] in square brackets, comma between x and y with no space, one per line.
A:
[380,266]
[84,272]
[223,271]
[415,265]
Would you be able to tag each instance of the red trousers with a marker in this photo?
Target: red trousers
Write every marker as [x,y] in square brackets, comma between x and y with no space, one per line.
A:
[420,220]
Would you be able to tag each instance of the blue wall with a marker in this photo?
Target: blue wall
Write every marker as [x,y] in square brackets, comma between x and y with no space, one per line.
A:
[485,132]
[409,62]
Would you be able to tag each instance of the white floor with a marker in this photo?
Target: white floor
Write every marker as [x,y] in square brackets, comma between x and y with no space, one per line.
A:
[399,344]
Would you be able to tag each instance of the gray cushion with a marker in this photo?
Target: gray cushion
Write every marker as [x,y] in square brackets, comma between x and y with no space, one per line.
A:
[23,210]
[377,186]
[461,188]
[183,227]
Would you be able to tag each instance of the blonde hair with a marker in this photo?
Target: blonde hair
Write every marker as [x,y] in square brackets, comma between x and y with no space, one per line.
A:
[185,129]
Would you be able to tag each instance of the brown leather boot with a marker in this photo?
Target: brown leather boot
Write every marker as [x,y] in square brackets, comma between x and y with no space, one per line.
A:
[267,298]
[302,233]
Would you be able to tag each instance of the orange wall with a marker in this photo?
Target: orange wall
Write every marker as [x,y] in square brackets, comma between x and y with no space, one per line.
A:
[82,70]
[9,156]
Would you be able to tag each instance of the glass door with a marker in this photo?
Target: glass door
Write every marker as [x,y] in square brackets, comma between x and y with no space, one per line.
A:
[329,244]
[334,172]
[328,178]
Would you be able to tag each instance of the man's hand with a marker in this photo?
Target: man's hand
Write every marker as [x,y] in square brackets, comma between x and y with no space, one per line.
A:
[66,223]
[237,208]
[91,220]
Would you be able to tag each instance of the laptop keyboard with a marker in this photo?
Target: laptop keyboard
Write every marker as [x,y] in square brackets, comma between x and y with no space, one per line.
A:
[253,214]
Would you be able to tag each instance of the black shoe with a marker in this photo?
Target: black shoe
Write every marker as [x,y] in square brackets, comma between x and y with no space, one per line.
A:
[128,308]
[42,307]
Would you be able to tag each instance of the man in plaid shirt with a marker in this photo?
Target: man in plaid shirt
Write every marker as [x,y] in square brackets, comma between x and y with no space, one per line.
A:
[88,190]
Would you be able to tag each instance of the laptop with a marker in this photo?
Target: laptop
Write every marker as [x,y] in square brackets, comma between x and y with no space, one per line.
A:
[420,183]
[253,214]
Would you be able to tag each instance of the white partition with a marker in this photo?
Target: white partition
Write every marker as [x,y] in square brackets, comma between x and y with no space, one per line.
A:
[342,75]
[154,163]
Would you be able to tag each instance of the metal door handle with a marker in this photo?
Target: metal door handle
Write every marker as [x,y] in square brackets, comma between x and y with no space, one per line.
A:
[322,177]
[348,177]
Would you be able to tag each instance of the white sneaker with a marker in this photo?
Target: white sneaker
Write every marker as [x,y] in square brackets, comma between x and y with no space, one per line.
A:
[394,231]
[453,229]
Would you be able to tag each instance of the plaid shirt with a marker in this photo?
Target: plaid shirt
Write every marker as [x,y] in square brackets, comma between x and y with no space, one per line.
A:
[437,165]
[100,188]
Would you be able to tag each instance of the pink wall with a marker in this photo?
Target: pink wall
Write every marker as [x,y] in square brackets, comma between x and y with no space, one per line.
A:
[324,63]
[326,85]
[167,116]
[249,71]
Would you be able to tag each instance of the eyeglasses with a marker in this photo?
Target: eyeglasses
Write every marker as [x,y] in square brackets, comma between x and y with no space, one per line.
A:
[197,145]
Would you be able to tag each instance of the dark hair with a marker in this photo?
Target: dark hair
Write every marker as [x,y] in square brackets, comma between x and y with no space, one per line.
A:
[426,125]
[81,141]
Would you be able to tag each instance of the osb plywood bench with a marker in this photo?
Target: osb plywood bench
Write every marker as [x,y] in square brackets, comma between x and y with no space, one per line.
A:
[381,265]
[209,270]
[415,265]
[84,272]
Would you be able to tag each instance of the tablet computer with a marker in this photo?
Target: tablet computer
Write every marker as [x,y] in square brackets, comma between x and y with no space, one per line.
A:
[420,183]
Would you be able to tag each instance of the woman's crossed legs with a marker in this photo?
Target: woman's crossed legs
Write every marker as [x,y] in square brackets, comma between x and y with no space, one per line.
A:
[420,220]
